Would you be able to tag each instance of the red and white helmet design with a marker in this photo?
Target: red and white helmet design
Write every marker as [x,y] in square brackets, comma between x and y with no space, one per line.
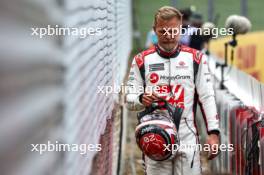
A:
[154,134]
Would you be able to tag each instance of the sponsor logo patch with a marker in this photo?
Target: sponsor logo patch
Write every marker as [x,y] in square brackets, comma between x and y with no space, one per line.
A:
[156,67]
[181,65]
[154,78]
[176,77]
[177,99]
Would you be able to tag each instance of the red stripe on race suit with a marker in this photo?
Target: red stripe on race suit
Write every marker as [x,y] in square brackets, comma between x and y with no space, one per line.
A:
[178,95]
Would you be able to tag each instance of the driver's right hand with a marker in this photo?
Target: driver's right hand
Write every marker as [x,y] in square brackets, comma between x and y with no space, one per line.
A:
[148,98]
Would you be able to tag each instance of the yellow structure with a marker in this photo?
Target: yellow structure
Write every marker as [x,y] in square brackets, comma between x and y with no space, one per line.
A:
[248,55]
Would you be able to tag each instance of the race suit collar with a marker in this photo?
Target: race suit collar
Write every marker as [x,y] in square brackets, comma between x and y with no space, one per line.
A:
[165,54]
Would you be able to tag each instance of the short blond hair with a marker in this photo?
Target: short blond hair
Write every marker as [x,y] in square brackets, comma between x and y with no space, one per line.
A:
[167,13]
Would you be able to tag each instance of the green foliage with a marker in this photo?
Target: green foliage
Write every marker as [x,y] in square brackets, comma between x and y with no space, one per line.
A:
[145,10]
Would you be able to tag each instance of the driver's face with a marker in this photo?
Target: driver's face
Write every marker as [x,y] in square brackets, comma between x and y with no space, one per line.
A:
[168,32]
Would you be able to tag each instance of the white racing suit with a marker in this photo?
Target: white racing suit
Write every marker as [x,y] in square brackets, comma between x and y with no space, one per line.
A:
[183,79]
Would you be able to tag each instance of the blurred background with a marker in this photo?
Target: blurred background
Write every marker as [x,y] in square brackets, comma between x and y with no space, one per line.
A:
[49,86]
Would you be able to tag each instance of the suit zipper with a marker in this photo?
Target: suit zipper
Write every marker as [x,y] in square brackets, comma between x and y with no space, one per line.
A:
[171,88]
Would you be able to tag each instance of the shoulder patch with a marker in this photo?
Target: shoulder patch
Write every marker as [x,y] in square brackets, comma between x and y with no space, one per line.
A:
[139,60]
[140,57]
[197,55]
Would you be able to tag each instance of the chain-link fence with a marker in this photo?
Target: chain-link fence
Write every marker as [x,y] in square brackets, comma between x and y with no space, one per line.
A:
[49,83]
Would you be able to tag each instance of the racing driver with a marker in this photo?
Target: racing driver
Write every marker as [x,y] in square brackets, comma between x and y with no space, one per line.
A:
[183,78]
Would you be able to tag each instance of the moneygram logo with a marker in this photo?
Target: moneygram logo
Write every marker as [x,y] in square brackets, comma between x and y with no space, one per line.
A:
[176,77]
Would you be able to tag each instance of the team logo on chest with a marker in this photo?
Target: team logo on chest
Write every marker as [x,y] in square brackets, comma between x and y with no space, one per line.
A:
[153,78]
[174,94]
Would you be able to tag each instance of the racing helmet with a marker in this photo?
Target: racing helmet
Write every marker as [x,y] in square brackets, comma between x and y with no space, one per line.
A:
[155,133]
